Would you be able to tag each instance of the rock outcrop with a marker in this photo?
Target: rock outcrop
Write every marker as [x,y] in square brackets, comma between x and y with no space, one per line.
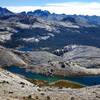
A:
[8,58]
[85,56]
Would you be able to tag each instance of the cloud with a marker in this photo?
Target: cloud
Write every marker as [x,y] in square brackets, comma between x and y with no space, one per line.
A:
[80,8]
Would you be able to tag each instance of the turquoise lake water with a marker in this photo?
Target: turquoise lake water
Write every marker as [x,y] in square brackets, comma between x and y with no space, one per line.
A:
[85,80]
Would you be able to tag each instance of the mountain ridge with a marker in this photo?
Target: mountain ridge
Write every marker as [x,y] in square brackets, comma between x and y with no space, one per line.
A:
[43,30]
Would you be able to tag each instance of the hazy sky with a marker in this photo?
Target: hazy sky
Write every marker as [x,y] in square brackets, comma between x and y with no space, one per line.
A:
[83,7]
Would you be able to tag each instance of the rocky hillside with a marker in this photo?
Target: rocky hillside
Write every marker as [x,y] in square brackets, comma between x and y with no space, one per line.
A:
[8,58]
[78,60]
[85,56]
[81,60]
[88,93]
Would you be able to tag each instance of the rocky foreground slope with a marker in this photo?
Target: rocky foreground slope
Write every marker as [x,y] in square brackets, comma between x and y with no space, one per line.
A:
[12,87]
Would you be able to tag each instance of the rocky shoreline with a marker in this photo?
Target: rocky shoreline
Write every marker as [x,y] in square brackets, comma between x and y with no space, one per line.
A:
[12,87]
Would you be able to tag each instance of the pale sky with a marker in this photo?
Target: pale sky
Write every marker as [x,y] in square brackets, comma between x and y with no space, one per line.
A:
[80,7]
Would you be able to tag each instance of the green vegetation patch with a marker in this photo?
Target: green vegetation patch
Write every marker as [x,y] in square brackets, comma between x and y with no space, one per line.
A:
[66,84]
[59,84]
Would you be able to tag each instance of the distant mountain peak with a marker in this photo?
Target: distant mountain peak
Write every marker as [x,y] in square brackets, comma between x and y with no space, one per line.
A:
[39,12]
[5,12]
